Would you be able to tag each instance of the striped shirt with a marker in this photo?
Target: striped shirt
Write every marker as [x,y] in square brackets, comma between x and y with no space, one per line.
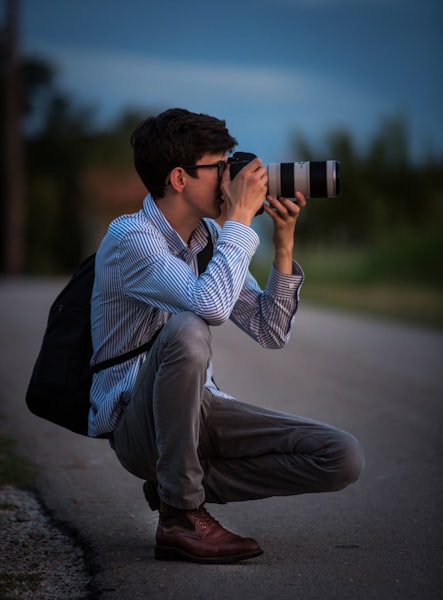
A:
[145,273]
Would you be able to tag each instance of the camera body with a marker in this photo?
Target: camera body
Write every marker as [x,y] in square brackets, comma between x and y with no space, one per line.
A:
[315,179]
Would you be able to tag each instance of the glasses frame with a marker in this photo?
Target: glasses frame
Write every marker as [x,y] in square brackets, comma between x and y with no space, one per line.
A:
[220,165]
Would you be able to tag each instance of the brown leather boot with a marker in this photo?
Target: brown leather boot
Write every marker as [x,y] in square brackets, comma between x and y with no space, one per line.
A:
[195,536]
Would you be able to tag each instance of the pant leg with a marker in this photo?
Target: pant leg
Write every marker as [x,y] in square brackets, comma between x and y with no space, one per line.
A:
[157,436]
[199,446]
[249,452]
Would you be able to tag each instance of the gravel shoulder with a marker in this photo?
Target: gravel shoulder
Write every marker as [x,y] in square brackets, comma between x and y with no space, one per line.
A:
[38,559]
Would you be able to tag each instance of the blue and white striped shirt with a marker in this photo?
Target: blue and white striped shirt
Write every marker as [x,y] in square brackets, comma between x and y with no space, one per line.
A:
[145,272]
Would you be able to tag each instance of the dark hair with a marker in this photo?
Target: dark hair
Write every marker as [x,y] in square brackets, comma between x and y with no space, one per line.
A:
[174,138]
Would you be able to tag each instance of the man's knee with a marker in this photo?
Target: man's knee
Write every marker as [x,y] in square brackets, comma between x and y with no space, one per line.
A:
[190,334]
[349,461]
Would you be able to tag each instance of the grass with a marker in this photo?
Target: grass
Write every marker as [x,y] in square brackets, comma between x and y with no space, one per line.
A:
[18,472]
[15,470]
[13,584]
[409,304]
[399,279]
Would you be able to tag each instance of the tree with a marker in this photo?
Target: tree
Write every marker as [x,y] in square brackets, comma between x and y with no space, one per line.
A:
[384,192]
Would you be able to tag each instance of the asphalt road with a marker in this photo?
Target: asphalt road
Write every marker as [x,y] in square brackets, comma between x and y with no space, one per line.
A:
[379,539]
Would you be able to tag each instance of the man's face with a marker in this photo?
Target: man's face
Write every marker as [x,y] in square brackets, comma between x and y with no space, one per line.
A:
[202,193]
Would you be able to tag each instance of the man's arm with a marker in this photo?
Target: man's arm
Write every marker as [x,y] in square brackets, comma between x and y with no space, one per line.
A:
[267,315]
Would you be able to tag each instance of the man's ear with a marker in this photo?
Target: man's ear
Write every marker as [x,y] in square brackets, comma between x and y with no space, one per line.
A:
[177,178]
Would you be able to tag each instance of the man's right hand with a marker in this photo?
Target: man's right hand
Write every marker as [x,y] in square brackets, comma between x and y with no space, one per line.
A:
[244,195]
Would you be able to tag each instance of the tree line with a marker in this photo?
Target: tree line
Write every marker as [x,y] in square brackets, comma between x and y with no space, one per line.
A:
[386,195]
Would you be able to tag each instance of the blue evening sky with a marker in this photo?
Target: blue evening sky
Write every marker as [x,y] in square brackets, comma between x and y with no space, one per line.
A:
[269,67]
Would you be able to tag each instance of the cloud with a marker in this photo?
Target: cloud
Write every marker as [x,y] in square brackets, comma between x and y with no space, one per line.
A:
[262,105]
[320,4]
[331,3]
[119,77]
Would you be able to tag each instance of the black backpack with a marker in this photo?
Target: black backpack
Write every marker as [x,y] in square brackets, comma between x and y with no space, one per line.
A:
[61,379]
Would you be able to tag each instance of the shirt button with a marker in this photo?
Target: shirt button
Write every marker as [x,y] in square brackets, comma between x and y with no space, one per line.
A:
[292,286]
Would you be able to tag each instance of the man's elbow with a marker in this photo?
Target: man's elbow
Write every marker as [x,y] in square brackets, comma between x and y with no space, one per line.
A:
[217,317]
[273,342]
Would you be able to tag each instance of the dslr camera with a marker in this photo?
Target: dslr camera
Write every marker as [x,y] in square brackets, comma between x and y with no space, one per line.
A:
[315,179]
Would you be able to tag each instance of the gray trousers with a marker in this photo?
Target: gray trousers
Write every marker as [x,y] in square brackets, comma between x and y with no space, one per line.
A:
[200,447]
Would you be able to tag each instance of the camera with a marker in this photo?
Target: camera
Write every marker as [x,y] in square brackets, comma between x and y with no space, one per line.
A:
[315,179]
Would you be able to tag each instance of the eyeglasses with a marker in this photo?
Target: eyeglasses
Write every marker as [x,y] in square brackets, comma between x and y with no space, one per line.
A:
[220,165]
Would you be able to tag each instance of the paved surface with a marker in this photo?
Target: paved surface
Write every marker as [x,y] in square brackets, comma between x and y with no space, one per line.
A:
[379,539]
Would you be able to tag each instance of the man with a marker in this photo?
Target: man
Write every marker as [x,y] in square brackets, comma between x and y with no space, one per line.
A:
[168,422]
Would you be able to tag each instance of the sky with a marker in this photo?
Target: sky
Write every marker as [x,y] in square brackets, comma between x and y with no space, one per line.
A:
[271,68]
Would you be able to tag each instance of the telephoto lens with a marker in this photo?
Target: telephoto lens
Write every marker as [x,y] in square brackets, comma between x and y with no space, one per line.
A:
[315,179]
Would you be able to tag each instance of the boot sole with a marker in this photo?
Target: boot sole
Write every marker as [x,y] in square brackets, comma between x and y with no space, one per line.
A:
[171,553]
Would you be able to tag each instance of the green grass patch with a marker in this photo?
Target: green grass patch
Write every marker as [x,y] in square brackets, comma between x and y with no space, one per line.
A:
[14,470]
[399,278]
[404,303]
[7,506]
[406,259]
[12,584]
[18,472]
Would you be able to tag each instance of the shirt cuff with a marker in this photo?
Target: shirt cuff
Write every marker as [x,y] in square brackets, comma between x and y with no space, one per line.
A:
[240,235]
[281,284]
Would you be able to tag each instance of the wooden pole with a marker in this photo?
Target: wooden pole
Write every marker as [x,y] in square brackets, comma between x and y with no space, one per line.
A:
[15,205]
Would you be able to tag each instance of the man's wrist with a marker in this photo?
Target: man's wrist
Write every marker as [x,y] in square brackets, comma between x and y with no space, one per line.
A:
[240,234]
[244,217]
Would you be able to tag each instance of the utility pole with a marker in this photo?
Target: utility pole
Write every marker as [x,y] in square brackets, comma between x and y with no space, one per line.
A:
[15,204]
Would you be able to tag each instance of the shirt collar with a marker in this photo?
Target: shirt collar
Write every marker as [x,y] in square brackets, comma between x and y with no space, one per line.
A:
[175,242]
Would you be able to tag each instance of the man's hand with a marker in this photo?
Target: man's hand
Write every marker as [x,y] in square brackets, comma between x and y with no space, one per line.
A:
[244,195]
[284,213]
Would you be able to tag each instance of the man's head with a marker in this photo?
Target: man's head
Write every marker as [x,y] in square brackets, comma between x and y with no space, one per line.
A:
[176,138]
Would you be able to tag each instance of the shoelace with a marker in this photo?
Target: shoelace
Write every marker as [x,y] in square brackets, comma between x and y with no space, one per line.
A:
[203,518]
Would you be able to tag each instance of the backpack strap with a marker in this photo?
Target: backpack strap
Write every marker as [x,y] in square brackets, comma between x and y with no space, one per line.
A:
[203,258]
[205,255]
[121,358]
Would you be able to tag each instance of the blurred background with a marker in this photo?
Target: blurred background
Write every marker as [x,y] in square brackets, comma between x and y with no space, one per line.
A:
[355,81]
